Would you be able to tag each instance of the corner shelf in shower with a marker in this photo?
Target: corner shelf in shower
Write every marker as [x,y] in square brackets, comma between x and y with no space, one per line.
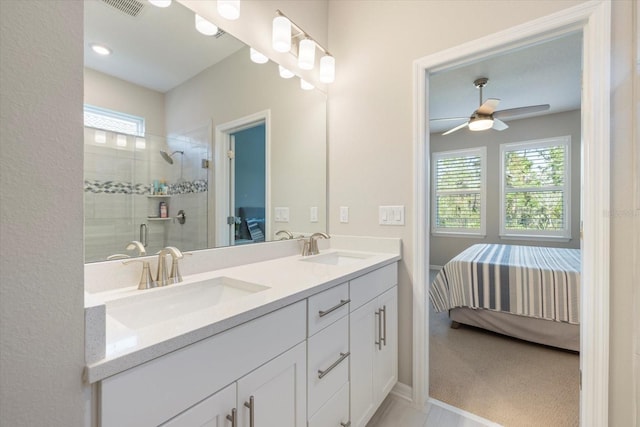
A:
[158,219]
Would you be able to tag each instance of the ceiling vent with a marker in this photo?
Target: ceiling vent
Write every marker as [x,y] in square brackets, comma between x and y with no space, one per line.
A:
[130,7]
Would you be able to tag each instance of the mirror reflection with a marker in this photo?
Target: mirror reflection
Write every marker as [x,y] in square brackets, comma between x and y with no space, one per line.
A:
[189,143]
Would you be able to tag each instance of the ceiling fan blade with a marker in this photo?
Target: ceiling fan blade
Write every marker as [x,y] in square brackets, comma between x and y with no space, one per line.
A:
[446,119]
[499,124]
[456,128]
[489,106]
[520,110]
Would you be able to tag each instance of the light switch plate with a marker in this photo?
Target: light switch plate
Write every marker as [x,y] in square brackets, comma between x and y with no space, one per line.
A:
[313,214]
[344,214]
[391,215]
[282,214]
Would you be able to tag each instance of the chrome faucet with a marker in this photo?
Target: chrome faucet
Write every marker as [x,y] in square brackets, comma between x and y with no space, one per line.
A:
[311,246]
[287,233]
[174,276]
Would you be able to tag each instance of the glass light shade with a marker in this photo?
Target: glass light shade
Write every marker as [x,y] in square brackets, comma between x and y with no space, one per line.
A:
[207,28]
[327,69]
[100,49]
[306,54]
[281,35]
[284,73]
[160,3]
[257,57]
[229,9]
[481,124]
[306,85]
[121,141]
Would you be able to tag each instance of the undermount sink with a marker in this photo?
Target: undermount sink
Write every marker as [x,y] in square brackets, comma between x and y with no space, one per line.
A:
[337,258]
[162,304]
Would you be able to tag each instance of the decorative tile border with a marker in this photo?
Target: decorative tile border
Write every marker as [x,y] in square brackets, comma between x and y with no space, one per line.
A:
[123,187]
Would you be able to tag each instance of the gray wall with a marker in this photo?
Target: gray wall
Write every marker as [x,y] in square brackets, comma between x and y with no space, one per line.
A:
[41,260]
[443,248]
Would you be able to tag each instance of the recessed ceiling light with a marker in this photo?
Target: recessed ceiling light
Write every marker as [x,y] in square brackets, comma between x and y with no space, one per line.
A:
[100,49]
[160,3]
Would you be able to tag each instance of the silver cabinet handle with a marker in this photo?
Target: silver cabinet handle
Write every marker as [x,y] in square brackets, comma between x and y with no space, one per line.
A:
[383,338]
[333,365]
[347,424]
[251,406]
[233,417]
[334,308]
[379,316]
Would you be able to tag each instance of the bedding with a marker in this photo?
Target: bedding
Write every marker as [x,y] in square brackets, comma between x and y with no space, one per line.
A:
[531,281]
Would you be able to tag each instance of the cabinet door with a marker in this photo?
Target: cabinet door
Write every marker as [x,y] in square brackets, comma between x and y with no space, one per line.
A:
[362,339]
[386,358]
[275,393]
[211,412]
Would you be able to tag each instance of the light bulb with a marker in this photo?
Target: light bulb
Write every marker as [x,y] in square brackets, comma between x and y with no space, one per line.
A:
[327,69]
[281,36]
[229,9]
[100,49]
[306,54]
[306,85]
[160,3]
[207,28]
[284,73]
[257,57]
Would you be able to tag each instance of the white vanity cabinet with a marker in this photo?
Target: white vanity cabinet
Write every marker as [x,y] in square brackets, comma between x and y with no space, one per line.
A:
[265,356]
[373,341]
[211,412]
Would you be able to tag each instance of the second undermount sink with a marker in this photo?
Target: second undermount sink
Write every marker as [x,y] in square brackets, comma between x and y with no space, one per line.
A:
[337,258]
[162,304]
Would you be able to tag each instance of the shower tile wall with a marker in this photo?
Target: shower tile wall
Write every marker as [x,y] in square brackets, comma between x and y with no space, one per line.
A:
[119,181]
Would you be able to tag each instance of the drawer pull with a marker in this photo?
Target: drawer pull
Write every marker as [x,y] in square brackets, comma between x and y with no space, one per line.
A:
[379,316]
[334,308]
[333,365]
[347,424]
[250,405]
[233,417]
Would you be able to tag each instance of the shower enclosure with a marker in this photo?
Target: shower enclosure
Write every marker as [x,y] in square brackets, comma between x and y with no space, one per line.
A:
[127,178]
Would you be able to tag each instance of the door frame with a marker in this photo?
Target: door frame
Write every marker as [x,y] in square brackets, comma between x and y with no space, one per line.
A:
[593,18]
[222,170]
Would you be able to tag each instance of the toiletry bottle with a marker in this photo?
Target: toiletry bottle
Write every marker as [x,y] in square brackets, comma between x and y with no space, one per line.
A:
[163,210]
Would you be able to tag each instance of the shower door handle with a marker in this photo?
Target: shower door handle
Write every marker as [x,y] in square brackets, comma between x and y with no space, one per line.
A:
[144,234]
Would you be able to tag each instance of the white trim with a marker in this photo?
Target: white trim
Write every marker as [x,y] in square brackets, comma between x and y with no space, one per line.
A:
[463,413]
[594,19]
[402,391]
[221,172]
[435,267]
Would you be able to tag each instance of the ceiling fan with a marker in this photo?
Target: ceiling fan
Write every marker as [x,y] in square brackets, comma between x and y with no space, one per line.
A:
[486,116]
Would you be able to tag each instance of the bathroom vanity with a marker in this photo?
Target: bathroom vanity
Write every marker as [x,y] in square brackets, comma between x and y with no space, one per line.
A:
[285,341]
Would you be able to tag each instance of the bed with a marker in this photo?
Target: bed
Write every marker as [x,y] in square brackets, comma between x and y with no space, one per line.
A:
[526,292]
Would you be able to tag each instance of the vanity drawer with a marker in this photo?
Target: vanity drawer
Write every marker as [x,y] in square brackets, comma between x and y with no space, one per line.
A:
[369,286]
[334,413]
[155,391]
[327,307]
[328,363]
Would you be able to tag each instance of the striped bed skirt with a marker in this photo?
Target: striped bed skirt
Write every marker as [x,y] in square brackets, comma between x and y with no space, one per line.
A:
[530,281]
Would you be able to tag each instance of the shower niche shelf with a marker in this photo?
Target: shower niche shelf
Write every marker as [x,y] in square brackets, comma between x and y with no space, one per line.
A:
[157,218]
[158,196]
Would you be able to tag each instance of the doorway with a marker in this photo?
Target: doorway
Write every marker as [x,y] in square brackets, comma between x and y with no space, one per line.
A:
[593,19]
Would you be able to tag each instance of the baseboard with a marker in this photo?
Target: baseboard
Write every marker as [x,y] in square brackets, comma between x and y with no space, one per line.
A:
[462,413]
[402,391]
[435,267]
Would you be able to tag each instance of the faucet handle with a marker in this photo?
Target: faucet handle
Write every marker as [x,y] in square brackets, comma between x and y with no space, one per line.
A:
[146,279]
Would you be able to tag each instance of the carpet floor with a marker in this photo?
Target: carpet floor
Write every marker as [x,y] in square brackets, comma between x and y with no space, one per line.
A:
[505,380]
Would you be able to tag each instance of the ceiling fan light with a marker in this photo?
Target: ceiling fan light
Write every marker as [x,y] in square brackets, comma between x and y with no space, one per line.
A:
[206,27]
[229,9]
[481,124]
[281,34]
[257,57]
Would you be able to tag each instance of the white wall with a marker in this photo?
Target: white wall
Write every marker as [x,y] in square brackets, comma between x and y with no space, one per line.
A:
[370,104]
[443,248]
[41,260]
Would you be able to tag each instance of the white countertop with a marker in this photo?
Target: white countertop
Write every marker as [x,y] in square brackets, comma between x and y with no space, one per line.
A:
[289,279]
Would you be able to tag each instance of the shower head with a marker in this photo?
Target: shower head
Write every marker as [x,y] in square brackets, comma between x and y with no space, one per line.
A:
[168,157]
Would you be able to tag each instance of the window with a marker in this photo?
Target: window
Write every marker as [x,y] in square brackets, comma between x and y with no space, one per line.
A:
[535,189]
[458,206]
[114,121]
